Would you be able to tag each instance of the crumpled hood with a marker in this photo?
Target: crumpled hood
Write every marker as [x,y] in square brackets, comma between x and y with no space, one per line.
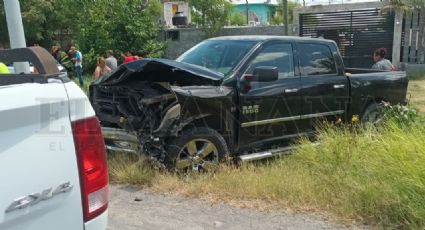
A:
[157,69]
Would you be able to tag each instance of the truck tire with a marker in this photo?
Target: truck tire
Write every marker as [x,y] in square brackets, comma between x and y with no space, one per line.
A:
[373,114]
[197,149]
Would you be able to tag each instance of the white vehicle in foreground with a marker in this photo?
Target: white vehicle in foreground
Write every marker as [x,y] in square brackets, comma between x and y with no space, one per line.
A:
[53,171]
[62,70]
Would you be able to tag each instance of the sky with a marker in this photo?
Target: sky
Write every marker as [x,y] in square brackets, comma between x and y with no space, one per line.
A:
[307,2]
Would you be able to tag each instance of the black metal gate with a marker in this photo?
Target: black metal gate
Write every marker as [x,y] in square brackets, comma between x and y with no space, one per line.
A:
[358,33]
[413,37]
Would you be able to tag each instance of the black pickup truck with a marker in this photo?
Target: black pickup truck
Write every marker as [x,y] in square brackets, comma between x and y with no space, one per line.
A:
[244,97]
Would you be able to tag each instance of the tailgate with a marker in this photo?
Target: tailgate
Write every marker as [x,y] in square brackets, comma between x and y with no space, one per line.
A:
[38,164]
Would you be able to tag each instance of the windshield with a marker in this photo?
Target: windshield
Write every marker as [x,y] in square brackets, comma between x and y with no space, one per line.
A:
[218,55]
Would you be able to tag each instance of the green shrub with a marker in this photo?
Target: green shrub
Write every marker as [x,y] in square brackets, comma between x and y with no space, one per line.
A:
[90,61]
[402,114]
[237,19]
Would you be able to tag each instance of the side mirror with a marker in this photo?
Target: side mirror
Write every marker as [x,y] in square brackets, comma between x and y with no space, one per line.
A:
[266,73]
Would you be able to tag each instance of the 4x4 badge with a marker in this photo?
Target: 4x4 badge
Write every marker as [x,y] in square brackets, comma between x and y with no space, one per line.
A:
[37,197]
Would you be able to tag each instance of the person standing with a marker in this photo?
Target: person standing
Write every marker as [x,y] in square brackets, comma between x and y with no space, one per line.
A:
[78,60]
[381,63]
[3,68]
[101,68]
[130,57]
[61,57]
[111,61]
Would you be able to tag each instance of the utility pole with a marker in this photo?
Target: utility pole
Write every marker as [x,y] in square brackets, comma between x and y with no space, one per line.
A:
[285,16]
[16,31]
[247,12]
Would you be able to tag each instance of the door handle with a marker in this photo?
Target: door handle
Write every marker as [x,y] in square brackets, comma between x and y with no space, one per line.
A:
[339,86]
[291,90]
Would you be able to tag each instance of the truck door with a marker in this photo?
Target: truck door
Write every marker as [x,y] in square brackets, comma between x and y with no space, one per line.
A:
[269,111]
[324,88]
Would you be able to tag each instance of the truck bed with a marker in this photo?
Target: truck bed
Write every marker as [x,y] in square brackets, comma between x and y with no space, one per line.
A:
[368,85]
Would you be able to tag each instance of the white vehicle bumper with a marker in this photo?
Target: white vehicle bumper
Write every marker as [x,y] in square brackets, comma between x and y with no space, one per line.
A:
[98,223]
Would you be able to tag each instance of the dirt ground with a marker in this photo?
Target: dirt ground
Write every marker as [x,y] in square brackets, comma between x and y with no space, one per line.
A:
[132,208]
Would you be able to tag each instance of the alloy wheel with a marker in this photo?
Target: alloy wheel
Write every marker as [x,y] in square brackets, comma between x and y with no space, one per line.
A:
[198,155]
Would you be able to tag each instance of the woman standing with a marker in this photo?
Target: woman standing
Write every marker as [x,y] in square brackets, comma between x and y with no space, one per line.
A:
[101,68]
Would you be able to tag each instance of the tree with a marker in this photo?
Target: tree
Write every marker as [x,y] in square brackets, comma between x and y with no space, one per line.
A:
[407,4]
[95,25]
[211,15]
[278,18]
[237,19]
[41,20]
[120,25]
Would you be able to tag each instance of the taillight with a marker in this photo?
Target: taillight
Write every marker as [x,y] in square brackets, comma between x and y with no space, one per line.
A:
[93,169]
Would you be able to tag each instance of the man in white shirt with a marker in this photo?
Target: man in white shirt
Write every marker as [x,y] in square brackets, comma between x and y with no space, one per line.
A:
[111,61]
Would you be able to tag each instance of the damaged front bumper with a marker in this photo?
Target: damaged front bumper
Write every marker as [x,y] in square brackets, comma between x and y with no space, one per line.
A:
[119,140]
[146,103]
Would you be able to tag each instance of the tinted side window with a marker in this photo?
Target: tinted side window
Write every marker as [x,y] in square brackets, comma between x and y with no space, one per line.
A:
[316,59]
[276,55]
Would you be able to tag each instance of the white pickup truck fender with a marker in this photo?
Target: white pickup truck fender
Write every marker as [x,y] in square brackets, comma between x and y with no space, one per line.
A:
[39,179]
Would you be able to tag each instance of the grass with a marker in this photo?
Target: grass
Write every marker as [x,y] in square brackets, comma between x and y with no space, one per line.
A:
[87,81]
[418,75]
[375,177]
[417,94]
[130,169]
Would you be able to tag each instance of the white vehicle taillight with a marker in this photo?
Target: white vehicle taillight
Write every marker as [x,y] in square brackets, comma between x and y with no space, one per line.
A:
[93,168]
